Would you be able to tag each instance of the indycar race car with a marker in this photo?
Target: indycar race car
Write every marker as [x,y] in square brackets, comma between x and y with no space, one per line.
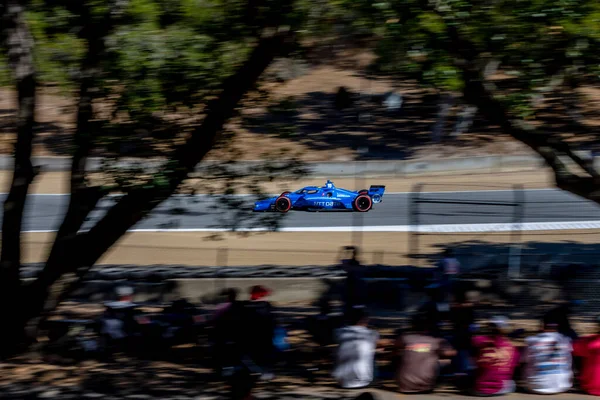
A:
[325,198]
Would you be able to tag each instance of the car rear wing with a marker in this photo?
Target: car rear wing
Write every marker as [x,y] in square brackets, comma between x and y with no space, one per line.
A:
[377,189]
[376,193]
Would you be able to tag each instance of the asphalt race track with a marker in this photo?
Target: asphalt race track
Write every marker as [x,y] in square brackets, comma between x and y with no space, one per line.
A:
[44,212]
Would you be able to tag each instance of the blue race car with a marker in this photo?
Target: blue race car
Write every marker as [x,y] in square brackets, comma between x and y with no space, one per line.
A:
[325,198]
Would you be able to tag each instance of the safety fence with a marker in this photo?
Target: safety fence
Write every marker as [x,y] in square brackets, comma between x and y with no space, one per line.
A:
[307,263]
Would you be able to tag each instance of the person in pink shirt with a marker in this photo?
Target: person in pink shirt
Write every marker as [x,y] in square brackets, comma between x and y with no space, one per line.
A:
[588,348]
[496,360]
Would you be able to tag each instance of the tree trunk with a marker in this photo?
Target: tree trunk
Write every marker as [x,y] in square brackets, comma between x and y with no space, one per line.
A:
[83,198]
[19,45]
[86,248]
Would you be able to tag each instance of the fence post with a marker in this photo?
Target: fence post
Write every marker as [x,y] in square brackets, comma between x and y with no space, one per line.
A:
[413,218]
[222,255]
[378,258]
[514,255]
[357,216]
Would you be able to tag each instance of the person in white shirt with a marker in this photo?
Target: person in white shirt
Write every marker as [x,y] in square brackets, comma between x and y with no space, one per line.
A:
[548,361]
[355,357]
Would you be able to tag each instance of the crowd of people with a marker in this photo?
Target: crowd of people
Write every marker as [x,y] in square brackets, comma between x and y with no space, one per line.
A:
[442,343]
[484,360]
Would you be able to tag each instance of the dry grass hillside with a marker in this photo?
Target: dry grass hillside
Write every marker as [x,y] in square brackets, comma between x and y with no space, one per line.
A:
[296,112]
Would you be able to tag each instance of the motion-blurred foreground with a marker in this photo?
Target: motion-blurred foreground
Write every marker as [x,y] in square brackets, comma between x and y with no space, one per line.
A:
[137,135]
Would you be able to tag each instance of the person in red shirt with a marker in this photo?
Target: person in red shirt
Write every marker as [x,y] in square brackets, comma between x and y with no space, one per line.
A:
[588,348]
[496,361]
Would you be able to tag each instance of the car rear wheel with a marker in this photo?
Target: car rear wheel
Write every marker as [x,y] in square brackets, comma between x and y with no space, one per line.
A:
[283,204]
[364,191]
[362,203]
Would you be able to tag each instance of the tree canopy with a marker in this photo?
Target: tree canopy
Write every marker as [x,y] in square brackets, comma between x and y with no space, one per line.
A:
[512,59]
[179,69]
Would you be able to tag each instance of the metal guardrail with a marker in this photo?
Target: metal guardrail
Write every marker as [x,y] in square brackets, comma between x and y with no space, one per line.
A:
[534,266]
[154,273]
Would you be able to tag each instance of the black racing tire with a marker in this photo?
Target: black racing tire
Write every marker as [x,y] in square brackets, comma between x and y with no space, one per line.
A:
[362,203]
[364,191]
[283,204]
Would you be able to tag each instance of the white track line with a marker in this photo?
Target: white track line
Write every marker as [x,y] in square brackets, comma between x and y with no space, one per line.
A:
[450,228]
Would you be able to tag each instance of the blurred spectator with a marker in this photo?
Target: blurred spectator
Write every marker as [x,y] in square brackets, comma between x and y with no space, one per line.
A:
[323,325]
[117,322]
[227,335]
[560,314]
[418,355]
[124,298]
[352,252]
[241,384]
[462,316]
[230,297]
[588,348]
[496,360]
[547,359]
[366,396]
[355,289]
[355,359]
[259,330]
[435,309]
[448,270]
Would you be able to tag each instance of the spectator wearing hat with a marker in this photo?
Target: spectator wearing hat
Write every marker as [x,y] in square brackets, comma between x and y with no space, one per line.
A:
[259,329]
[548,361]
[496,359]
[124,298]
[588,348]
[117,323]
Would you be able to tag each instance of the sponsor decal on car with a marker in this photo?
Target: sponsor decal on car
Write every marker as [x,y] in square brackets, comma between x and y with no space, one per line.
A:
[323,203]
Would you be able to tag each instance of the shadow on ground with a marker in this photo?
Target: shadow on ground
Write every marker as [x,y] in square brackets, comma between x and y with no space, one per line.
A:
[539,258]
[313,120]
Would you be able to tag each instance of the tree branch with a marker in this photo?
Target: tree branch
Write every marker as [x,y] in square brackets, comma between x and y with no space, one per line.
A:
[87,248]
[478,92]
[18,43]
[83,198]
